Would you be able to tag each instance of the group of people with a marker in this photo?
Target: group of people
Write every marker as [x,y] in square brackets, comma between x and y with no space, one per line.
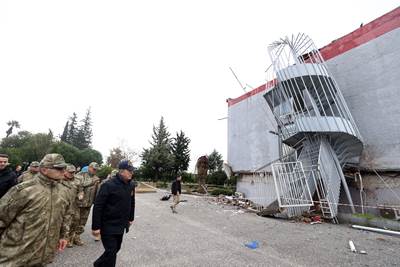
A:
[46,208]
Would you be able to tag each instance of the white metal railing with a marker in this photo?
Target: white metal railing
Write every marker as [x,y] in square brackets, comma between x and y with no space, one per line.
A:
[291,185]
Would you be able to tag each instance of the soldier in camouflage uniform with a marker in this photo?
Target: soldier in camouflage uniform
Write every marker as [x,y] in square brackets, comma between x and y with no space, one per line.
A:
[29,174]
[88,185]
[34,217]
[72,187]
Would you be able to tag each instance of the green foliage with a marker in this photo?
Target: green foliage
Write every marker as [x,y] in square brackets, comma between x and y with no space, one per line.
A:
[104,171]
[89,155]
[157,161]
[181,152]
[217,178]
[69,152]
[83,137]
[75,156]
[232,181]
[188,177]
[73,129]
[222,191]
[215,161]
[26,147]
[64,135]
[79,136]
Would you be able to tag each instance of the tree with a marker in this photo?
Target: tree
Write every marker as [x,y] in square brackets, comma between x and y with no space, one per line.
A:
[158,159]
[84,134]
[64,136]
[72,130]
[116,155]
[75,156]
[12,124]
[89,155]
[215,161]
[69,152]
[26,147]
[180,152]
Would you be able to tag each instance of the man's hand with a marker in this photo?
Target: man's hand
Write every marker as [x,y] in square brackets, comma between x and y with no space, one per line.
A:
[96,232]
[130,222]
[62,243]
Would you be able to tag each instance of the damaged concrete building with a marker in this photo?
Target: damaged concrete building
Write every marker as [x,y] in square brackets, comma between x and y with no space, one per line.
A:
[325,130]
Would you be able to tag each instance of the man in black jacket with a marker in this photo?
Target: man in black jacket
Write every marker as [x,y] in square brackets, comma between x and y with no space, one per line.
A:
[7,177]
[114,212]
[176,192]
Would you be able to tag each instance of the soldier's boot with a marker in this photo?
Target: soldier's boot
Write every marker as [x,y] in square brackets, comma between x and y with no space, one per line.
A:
[78,241]
[70,241]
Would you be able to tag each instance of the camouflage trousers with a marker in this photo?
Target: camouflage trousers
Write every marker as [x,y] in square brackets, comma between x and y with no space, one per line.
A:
[74,224]
[83,217]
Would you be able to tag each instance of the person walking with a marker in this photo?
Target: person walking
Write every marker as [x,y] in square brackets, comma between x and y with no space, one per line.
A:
[30,173]
[114,212]
[88,185]
[176,192]
[72,187]
[35,217]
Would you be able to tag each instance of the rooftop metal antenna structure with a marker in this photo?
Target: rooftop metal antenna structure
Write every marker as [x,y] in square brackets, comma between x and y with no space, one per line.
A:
[314,120]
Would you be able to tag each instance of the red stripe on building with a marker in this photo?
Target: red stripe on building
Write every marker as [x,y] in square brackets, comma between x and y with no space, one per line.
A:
[260,89]
[362,35]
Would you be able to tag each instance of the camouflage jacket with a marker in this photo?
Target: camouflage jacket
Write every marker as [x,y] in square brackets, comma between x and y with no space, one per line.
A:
[88,186]
[34,215]
[72,189]
[25,176]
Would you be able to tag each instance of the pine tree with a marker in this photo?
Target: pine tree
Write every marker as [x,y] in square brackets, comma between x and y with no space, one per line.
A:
[64,136]
[215,161]
[86,129]
[83,138]
[181,152]
[73,129]
[158,159]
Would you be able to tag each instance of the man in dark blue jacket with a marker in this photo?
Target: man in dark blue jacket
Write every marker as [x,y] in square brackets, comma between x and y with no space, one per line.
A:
[114,212]
[7,177]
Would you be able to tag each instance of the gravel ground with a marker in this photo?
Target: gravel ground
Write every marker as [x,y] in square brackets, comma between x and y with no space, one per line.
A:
[206,234]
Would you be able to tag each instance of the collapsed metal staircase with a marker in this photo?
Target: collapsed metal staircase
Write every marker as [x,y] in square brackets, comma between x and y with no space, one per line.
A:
[313,119]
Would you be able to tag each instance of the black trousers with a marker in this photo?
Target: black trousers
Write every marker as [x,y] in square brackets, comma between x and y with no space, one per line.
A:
[111,244]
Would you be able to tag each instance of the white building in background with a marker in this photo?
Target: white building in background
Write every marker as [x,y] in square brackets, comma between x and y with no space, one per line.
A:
[366,65]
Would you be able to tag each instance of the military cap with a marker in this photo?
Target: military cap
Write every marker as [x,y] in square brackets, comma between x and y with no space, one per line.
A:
[94,165]
[126,165]
[53,161]
[70,168]
[34,164]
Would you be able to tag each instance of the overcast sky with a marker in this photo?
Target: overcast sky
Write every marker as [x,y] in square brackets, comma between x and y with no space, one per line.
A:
[135,61]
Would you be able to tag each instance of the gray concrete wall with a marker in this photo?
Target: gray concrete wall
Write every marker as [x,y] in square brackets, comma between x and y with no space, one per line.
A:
[258,188]
[250,145]
[369,78]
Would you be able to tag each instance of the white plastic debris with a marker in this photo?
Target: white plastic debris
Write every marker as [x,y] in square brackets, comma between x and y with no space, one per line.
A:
[352,246]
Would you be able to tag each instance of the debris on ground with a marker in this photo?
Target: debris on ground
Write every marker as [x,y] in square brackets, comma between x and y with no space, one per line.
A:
[378,230]
[352,246]
[165,197]
[252,245]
